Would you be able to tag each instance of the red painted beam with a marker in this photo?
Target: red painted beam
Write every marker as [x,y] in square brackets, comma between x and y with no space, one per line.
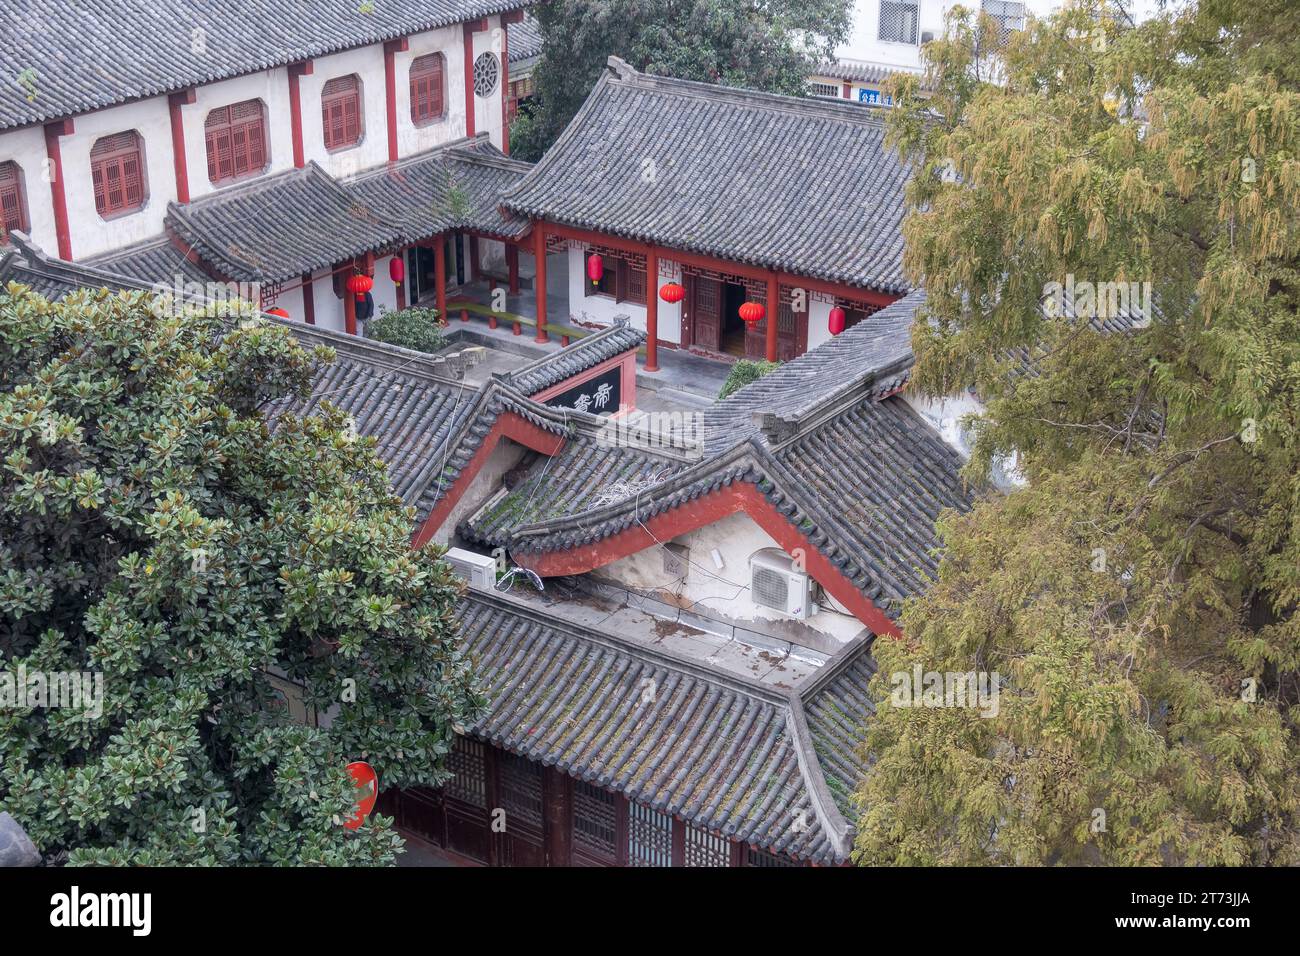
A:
[391,49]
[508,425]
[174,103]
[62,232]
[705,510]
[296,72]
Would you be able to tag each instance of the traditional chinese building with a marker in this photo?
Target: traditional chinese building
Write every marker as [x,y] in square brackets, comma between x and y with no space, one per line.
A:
[681,203]
[265,143]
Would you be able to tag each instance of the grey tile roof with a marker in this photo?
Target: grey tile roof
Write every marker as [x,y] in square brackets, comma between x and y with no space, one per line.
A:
[859,71]
[277,227]
[52,278]
[454,186]
[581,355]
[154,260]
[716,750]
[876,352]
[525,39]
[801,185]
[87,55]
[838,708]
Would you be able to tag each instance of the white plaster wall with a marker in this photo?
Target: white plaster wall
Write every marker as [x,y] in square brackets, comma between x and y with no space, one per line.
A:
[819,318]
[601,310]
[487,110]
[368,64]
[328,307]
[945,415]
[416,139]
[269,86]
[502,458]
[91,234]
[26,147]
[737,537]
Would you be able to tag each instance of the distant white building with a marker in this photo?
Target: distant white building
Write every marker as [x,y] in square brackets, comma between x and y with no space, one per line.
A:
[888,35]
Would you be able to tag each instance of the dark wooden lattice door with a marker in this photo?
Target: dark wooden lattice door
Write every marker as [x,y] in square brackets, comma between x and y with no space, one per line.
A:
[519,789]
[706,313]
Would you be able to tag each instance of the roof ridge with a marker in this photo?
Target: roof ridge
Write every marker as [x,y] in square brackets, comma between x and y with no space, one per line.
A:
[621,73]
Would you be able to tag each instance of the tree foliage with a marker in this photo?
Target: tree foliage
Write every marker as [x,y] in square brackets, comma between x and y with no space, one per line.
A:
[155,529]
[744,372]
[1137,597]
[411,328]
[769,46]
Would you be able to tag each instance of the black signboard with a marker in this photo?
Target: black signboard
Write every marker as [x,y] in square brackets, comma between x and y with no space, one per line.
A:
[600,395]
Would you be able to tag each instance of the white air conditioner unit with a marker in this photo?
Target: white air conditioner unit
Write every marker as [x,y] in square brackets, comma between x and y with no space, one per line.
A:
[478,569]
[775,584]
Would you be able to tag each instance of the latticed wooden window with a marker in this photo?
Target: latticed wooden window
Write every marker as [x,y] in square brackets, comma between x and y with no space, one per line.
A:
[898,20]
[521,789]
[824,89]
[634,284]
[236,138]
[13,205]
[468,765]
[595,821]
[427,89]
[117,171]
[649,837]
[855,312]
[706,849]
[340,104]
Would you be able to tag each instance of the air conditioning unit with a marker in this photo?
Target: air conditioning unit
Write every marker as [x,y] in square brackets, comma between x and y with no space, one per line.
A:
[478,569]
[927,36]
[774,583]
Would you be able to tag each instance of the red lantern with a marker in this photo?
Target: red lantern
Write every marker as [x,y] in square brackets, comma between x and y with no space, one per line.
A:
[752,313]
[282,313]
[672,293]
[837,320]
[396,269]
[359,285]
[595,269]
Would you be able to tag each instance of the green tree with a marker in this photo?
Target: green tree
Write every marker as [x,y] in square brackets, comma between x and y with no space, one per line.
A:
[156,531]
[744,372]
[769,46]
[411,328]
[1137,596]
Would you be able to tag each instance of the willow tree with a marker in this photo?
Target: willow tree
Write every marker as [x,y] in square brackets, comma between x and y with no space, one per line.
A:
[159,537]
[1136,596]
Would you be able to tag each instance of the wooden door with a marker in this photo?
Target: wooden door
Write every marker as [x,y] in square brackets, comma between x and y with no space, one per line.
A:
[706,314]
[519,794]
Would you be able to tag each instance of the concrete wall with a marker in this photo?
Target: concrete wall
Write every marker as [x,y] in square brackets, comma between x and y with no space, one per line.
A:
[725,590]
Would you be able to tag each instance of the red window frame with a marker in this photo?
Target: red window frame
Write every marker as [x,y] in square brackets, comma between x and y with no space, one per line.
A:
[340,103]
[236,141]
[117,172]
[428,89]
[13,204]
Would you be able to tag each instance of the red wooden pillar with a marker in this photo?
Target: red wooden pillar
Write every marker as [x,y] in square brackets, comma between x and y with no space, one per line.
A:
[308,300]
[296,72]
[512,16]
[773,317]
[174,103]
[512,264]
[440,277]
[349,309]
[652,310]
[400,256]
[558,796]
[848,91]
[539,284]
[53,131]
[391,49]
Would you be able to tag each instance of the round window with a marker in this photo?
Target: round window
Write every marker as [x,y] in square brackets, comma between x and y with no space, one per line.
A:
[486,74]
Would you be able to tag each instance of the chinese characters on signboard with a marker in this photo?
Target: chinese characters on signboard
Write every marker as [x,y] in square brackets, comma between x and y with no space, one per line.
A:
[600,395]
